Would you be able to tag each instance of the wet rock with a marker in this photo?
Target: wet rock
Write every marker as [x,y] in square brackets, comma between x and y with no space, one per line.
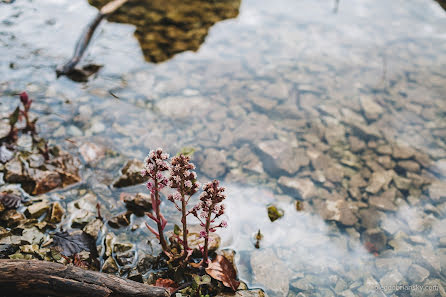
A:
[14,171]
[110,266]
[402,183]
[339,210]
[379,180]
[11,218]
[212,162]
[386,161]
[279,157]
[131,174]
[304,187]
[376,237]
[369,218]
[440,167]
[93,228]
[57,212]
[32,236]
[146,262]
[417,274]
[302,284]
[4,128]
[125,258]
[109,242]
[432,288]
[82,211]
[371,109]
[45,181]
[390,280]
[334,174]
[138,203]
[356,144]
[134,275]
[384,149]
[270,272]
[119,220]
[92,152]
[403,152]
[357,181]
[364,131]
[36,160]
[437,191]
[385,201]
[409,165]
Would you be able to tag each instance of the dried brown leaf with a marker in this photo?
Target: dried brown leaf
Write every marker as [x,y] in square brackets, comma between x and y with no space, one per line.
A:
[166,283]
[221,269]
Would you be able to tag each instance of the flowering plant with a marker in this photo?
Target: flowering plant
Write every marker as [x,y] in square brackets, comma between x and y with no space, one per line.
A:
[155,164]
[183,179]
[207,211]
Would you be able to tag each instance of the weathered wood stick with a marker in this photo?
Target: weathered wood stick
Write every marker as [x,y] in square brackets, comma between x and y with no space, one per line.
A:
[37,278]
[87,34]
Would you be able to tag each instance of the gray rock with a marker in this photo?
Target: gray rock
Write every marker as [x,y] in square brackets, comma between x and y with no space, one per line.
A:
[376,237]
[417,274]
[437,191]
[402,183]
[270,272]
[409,165]
[379,180]
[304,187]
[131,174]
[93,228]
[340,211]
[125,258]
[57,212]
[356,144]
[213,163]
[432,288]
[385,201]
[390,280]
[146,262]
[110,266]
[32,236]
[371,109]
[302,284]
[279,157]
[403,152]
[35,210]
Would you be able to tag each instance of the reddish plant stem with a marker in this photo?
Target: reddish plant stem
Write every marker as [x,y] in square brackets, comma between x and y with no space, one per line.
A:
[206,239]
[183,219]
[159,223]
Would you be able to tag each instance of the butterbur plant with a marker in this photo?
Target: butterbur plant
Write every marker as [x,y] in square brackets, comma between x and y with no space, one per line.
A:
[207,211]
[184,180]
[155,165]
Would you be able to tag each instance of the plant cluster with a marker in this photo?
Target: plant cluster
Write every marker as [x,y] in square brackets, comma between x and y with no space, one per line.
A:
[179,175]
[17,116]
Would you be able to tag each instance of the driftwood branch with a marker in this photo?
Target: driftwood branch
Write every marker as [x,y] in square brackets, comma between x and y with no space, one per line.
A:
[41,278]
[86,36]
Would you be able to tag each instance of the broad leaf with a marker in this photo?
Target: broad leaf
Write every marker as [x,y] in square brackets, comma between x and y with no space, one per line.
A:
[223,270]
[74,243]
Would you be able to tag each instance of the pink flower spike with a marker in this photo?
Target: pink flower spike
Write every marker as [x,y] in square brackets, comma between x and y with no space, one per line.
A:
[224,224]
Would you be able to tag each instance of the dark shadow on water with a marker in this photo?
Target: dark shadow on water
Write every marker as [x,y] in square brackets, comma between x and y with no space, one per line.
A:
[165,28]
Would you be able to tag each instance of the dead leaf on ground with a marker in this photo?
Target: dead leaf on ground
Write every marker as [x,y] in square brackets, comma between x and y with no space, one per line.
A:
[74,243]
[10,200]
[166,283]
[221,269]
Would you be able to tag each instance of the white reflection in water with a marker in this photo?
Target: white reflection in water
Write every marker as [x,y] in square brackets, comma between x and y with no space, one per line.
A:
[311,246]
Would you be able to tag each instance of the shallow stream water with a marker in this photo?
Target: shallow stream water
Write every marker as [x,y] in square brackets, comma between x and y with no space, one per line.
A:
[283,100]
